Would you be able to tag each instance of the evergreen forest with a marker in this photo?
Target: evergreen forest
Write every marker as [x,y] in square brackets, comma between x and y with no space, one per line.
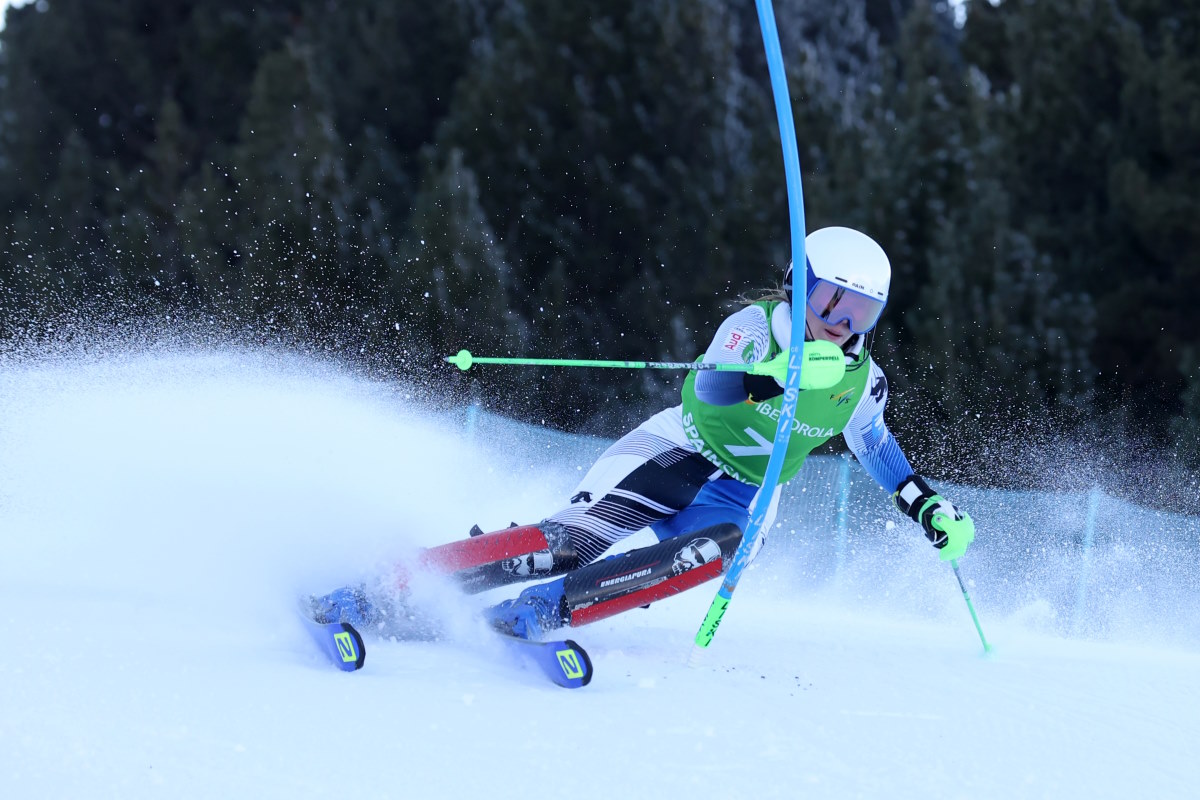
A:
[387,182]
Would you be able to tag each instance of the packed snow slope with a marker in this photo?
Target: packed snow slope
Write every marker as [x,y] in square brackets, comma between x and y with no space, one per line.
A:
[161,510]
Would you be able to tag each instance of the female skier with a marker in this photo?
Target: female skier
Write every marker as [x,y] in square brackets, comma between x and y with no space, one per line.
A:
[690,473]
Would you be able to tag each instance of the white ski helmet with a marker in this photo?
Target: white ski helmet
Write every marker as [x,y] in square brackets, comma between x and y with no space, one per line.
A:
[848,277]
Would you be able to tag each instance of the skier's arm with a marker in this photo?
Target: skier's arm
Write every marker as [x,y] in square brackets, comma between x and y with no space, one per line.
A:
[869,438]
[743,338]
[946,528]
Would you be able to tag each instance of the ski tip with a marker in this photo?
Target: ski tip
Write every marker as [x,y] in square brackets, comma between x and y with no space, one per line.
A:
[339,641]
[563,661]
[350,648]
[583,674]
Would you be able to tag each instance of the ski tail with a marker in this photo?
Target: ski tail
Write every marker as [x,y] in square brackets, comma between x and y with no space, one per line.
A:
[339,641]
[562,661]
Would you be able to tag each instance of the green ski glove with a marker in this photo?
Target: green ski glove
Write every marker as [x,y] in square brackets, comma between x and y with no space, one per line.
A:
[823,365]
[948,529]
[959,532]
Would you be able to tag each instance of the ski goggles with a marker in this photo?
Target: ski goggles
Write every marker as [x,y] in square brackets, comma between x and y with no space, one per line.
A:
[834,304]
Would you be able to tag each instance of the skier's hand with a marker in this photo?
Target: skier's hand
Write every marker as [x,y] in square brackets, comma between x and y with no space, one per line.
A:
[949,530]
[957,533]
[823,365]
[774,367]
[765,379]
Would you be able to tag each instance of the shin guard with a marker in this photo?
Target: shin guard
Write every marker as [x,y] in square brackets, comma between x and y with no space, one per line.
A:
[494,559]
[643,576]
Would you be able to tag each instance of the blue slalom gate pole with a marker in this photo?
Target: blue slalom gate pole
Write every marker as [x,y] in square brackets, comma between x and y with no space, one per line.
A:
[791,388]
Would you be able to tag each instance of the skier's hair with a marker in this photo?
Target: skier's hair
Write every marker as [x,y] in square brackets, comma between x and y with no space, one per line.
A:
[773,295]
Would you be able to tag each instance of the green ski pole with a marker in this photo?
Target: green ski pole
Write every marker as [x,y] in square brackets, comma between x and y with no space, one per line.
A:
[987,648]
[824,364]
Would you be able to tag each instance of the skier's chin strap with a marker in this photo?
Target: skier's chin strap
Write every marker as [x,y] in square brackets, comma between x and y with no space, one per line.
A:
[854,345]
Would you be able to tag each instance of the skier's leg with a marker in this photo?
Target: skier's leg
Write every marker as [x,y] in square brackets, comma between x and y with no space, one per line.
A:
[648,574]
[646,476]
[620,582]
[720,501]
[697,544]
[484,561]
[488,560]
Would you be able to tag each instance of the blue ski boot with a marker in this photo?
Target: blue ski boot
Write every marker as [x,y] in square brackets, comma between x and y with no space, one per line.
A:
[383,613]
[535,611]
[347,604]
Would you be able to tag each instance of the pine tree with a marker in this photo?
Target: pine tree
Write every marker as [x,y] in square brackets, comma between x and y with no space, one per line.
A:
[114,107]
[1087,94]
[389,71]
[457,287]
[291,220]
[610,144]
